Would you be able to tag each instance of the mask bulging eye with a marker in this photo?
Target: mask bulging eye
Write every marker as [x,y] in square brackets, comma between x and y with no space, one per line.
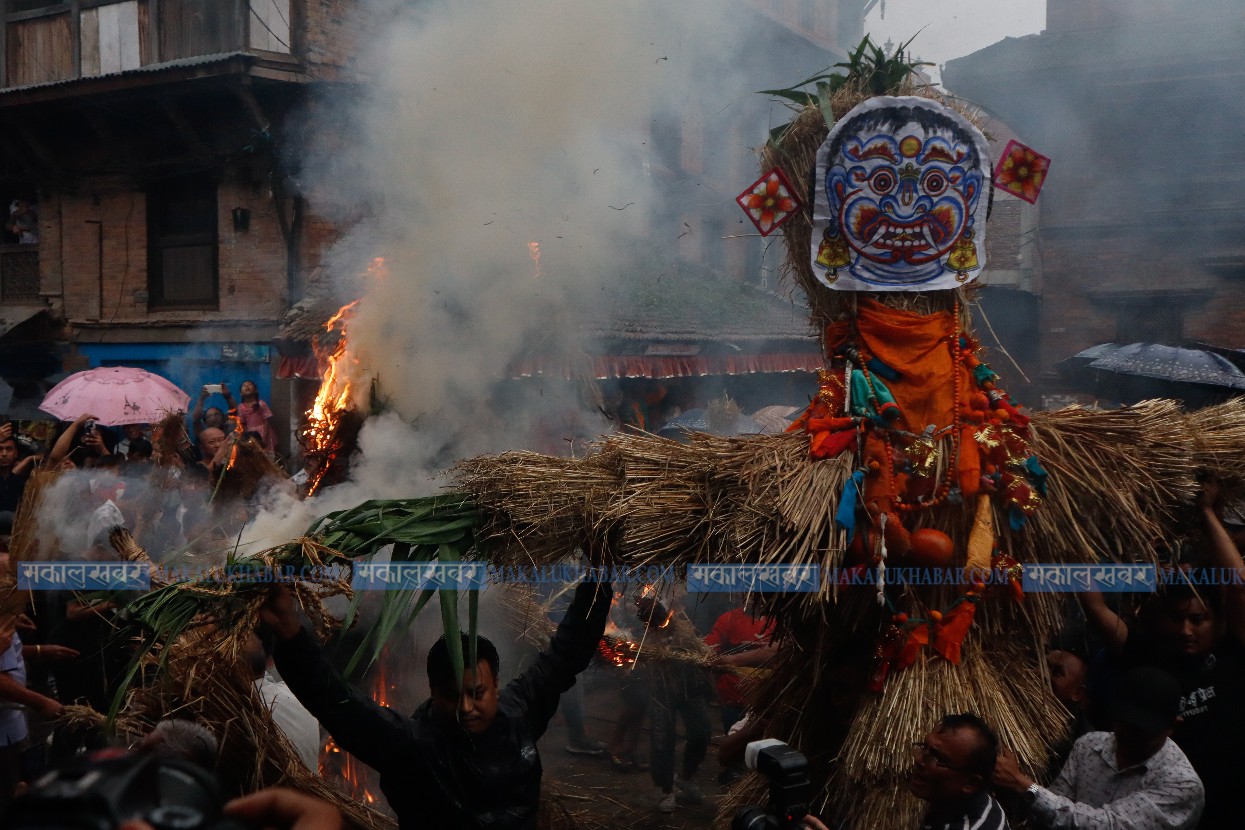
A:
[882,181]
[934,182]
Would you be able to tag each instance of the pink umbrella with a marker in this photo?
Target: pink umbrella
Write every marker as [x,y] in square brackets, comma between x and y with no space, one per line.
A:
[115,395]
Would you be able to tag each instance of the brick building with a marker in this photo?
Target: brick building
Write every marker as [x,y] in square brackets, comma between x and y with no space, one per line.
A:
[1141,221]
[147,136]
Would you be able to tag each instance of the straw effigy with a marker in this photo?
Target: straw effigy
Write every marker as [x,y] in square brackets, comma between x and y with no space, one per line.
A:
[1118,485]
[1117,480]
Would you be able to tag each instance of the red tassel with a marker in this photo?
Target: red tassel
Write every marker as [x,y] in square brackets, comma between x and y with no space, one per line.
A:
[953,629]
[918,638]
[830,444]
[1018,418]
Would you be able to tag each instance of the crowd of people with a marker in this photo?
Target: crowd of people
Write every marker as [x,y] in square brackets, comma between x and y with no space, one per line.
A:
[1152,687]
[60,647]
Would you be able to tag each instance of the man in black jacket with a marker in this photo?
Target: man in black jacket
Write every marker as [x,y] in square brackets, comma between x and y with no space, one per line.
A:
[463,760]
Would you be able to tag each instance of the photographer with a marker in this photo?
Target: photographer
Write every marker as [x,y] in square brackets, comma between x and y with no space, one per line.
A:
[213,416]
[14,470]
[81,434]
[951,771]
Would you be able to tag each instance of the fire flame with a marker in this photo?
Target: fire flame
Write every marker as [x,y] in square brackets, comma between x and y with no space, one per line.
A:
[618,651]
[332,401]
[354,779]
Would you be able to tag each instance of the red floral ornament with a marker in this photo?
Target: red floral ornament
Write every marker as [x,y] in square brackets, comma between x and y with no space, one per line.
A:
[769,201]
[1021,171]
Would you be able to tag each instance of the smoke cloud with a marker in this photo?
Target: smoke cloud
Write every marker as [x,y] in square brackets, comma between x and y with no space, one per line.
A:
[479,129]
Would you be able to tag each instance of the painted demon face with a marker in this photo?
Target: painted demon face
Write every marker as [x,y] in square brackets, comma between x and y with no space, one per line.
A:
[903,201]
[901,196]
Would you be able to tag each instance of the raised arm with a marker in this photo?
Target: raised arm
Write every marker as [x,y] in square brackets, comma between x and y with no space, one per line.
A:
[536,692]
[374,734]
[60,450]
[196,414]
[1225,556]
[1105,621]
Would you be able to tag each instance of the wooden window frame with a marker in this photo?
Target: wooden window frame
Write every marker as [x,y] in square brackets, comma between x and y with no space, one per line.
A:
[157,197]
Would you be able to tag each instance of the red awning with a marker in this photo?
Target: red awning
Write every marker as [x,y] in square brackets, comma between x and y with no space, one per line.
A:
[657,367]
[304,368]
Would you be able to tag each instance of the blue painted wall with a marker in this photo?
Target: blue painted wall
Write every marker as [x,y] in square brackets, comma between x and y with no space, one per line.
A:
[191,366]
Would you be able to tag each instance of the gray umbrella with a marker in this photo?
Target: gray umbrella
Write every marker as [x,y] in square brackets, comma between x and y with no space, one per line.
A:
[1076,369]
[1173,363]
[1152,370]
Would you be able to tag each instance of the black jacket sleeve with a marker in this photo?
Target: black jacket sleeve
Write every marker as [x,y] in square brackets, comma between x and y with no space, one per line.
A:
[374,734]
[535,693]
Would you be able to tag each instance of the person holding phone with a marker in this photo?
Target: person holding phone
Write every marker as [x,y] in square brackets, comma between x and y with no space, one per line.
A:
[213,417]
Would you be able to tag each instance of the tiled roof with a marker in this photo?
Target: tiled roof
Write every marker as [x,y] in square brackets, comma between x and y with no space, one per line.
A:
[667,304]
[690,303]
[181,63]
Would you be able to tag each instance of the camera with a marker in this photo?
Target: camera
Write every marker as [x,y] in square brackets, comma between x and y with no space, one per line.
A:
[101,790]
[787,771]
[89,427]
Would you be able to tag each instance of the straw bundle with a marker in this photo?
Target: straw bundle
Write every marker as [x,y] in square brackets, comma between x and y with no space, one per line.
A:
[1117,479]
[198,633]
[24,544]
[203,679]
[1116,482]
[1219,432]
[550,502]
[249,468]
[170,443]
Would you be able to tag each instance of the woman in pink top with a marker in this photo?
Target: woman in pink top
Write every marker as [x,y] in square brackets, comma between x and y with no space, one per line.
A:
[255,415]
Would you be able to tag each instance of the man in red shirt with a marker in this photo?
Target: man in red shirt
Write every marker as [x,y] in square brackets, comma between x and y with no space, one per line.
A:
[743,644]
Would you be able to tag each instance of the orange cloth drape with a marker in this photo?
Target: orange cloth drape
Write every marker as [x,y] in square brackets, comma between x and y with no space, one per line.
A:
[917,346]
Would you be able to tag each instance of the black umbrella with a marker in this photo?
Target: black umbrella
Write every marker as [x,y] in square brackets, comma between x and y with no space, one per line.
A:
[1075,369]
[1151,370]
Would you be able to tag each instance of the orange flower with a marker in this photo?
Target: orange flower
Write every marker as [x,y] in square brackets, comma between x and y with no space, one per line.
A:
[1021,171]
[769,201]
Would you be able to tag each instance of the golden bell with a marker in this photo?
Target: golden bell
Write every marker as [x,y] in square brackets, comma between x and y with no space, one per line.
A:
[963,256]
[833,253]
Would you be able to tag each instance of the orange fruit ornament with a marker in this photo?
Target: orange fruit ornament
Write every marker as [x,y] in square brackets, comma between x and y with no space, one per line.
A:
[931,548]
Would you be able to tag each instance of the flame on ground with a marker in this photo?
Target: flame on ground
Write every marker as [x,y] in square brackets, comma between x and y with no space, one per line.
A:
[341,769]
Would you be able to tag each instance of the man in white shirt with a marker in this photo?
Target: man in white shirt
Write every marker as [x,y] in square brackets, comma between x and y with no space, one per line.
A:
[1132,778]
[291,717]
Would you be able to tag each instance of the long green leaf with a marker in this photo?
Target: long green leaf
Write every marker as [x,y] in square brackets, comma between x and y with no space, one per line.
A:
[448,554]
